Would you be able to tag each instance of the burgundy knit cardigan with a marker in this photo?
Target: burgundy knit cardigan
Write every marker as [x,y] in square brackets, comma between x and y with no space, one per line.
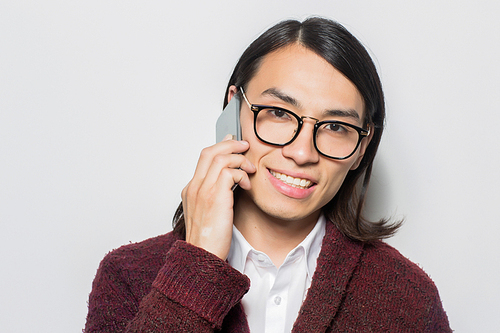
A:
[164,284]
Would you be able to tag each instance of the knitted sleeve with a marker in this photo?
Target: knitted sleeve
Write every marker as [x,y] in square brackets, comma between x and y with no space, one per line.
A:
[193,292]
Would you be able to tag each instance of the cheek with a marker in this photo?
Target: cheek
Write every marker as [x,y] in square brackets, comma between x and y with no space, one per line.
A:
[257,149]
[338,173]
[246,123]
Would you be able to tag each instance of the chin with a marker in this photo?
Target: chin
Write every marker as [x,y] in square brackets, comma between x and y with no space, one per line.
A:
[278,208]
[287,213]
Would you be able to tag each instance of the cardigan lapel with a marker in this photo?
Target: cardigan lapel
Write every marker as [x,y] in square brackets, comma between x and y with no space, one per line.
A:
[336,263]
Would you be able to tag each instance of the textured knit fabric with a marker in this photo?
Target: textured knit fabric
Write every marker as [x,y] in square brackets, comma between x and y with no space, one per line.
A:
[167,285]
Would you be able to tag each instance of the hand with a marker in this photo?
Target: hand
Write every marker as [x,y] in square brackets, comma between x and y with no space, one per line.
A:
[208,201]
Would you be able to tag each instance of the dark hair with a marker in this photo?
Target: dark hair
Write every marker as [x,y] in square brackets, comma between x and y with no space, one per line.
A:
[342,50]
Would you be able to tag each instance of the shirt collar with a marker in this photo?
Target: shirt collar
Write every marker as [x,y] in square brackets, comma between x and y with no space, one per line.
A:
[311,246]
[239,251]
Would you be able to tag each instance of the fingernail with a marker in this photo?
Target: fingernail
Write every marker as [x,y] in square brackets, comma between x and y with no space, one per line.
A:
[227,137]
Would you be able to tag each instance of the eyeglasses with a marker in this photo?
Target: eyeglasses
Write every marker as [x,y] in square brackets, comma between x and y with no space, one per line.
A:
[279,127]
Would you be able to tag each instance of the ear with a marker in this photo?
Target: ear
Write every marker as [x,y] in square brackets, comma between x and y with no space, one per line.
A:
[362,147]
[231,92]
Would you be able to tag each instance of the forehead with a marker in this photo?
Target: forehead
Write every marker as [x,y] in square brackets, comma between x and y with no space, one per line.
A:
[308,78]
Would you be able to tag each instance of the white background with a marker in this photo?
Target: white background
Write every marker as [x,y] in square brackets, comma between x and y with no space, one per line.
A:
[105,106]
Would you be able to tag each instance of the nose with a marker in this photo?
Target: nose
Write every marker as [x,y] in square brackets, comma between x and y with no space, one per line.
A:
[302,149]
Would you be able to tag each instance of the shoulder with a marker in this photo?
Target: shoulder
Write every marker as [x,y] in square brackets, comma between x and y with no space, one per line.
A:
[385,288]
[399,288]
[151,252]
[149,249]
[380,261]
[374,267]
[137,263]
[381,254]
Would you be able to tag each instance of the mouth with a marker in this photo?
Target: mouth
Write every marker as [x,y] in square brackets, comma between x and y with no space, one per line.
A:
[292,181]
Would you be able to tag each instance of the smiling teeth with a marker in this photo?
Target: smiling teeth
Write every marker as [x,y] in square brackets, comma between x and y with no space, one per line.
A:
[289,180]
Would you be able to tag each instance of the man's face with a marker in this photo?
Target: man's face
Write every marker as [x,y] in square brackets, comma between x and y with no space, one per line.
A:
[297,79]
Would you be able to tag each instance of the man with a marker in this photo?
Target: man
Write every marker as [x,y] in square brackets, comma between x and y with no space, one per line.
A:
[288,250]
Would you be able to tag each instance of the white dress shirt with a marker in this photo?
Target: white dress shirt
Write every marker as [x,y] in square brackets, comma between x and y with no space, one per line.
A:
[276,294]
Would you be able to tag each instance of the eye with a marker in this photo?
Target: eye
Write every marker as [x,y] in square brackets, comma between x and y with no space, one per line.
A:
[337,128]
[277,114]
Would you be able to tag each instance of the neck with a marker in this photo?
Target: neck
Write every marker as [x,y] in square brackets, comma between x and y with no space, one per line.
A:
[270,234]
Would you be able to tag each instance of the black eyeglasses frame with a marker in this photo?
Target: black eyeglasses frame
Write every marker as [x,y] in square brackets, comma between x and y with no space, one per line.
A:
[256,108]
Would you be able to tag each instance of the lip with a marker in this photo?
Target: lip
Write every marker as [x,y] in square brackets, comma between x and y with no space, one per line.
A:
[290,191]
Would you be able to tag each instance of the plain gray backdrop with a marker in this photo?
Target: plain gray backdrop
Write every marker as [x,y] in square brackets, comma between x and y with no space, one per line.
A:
[105,106]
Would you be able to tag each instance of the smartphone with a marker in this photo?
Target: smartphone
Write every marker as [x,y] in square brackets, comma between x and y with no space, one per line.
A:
[229,120]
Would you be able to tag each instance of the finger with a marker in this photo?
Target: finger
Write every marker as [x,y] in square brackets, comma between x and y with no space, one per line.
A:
[227,178]
[222,162]
[223,147]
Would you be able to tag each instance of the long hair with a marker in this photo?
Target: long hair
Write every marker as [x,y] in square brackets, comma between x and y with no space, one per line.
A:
[342,50]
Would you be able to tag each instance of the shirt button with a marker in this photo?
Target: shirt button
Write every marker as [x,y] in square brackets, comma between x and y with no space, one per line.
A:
[261,257]
[277,300]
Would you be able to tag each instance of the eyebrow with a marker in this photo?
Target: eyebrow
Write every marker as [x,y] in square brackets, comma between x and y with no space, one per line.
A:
[343,113]
[349,113]
[284,97]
